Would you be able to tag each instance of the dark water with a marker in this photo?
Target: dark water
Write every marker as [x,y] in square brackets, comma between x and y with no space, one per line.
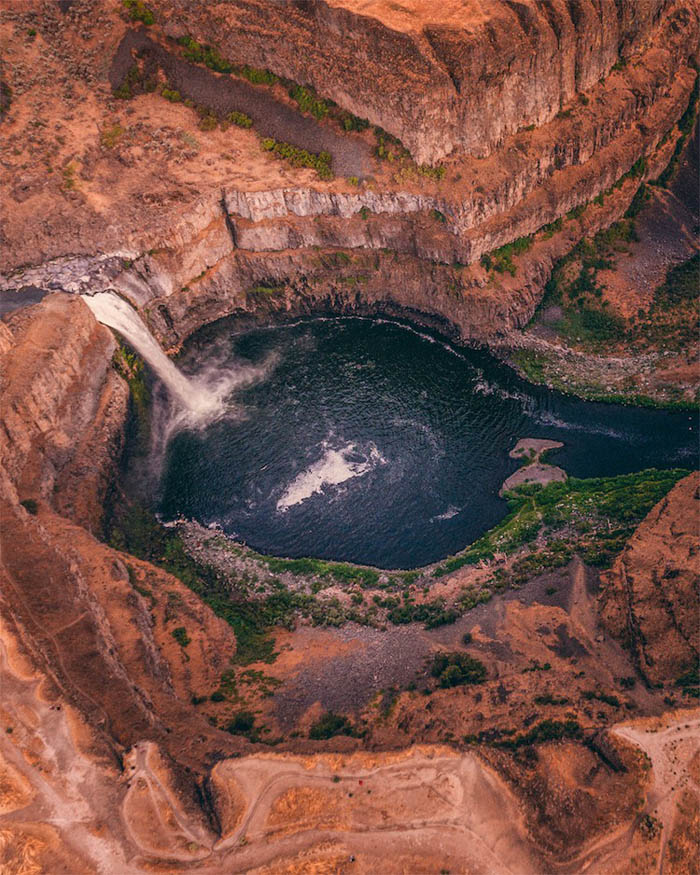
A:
[370,443]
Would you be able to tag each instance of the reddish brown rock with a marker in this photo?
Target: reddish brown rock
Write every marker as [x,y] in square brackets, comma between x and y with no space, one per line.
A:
[650,599]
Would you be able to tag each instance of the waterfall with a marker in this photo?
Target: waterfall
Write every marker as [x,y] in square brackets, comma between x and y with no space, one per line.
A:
[197,400]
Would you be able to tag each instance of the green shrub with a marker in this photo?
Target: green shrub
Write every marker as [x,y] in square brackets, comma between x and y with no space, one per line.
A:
[576,212]
[551,229]
[110,136]
[547,730]
[351,122]
[594,325]
[389,148]
[431,613]
[198,53]
[193,50]
[438,172]
[297,157]
[456,669]
[256,76]
[132,82]
[138,11]
[30,505]
[309,101]
[171,95]
[331,724]
[501,260]
[215,62]
[242,723]
[218,696]
[343,572]
[681,283]
[181,636]
[606,698]
[689,682]
[240,119]
[549,699]
[641,196]
[208,123]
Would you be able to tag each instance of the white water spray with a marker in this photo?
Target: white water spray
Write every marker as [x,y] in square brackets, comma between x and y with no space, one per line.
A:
[197,400]
[190,394]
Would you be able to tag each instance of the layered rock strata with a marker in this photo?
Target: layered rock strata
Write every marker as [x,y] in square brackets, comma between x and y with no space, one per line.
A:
[440,77]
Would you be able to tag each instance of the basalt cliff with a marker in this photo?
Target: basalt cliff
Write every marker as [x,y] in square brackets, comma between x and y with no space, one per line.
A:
[460,165]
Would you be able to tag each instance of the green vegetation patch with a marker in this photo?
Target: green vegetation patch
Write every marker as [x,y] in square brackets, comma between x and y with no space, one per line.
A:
[130,365]
[256,75]
[198,53]
[297,157]
[674,315]
[242,723]
[501,260]
[456,669]
[240,119]
[138,11]
[136,530]
[594,517]
[110,135]
[308,101]
[547,730]
[342,572]
[587,318]
[331,724]
[689,682]
[181,636]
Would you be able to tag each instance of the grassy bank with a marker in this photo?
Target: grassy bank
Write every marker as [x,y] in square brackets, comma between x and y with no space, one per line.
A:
[592,517]
[544,528]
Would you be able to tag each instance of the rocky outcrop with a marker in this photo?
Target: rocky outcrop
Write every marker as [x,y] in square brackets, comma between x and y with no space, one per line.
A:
[441,78]
[650,596]
[63,407]
[94,621]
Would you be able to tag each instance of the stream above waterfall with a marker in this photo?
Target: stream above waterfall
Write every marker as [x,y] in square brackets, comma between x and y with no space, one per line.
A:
[367,441]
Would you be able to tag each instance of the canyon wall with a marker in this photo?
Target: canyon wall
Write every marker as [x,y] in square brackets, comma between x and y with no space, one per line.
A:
[650,596]
[440,77]
[96,622]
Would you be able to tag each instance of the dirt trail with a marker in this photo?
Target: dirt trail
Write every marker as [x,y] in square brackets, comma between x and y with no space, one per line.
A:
[271,118]
[70,792]
[670,751]
[423,800]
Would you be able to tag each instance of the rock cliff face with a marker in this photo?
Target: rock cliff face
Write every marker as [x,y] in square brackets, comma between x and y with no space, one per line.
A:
[650,599]
[441,77]
[94,621]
